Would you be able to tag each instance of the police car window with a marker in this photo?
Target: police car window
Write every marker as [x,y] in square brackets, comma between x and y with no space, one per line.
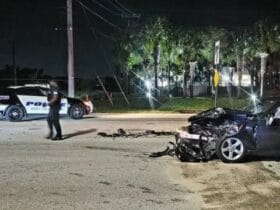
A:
[29,92]
[44,91]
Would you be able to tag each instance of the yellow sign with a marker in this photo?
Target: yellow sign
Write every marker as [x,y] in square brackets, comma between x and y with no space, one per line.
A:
[216,78]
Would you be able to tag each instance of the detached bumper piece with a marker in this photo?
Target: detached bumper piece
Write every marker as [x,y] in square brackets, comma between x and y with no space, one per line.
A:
[194,147]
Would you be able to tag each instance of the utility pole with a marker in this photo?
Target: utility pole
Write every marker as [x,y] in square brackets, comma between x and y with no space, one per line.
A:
[14,62]
[70,64]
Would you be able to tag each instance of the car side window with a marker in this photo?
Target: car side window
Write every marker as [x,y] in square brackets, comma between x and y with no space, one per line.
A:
[44,91]
[30,92]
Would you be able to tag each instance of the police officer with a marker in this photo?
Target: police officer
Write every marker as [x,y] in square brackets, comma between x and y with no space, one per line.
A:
[54,99]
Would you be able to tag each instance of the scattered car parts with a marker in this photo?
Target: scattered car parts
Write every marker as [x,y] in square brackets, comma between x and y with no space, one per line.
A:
[123,133]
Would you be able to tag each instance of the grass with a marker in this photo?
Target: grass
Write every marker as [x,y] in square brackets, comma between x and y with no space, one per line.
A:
[137,104]
[177,104]
[201,103]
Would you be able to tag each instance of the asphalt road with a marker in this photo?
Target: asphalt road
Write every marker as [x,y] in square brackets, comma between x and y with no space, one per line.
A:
[86,171]
[89,172]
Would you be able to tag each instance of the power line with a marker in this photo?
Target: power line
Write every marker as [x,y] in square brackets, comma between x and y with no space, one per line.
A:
[105,35]
[123,7]
[96,14]
[119,8]
[120,13]
[107,62]
[106,8]
[97,31]
[96,38]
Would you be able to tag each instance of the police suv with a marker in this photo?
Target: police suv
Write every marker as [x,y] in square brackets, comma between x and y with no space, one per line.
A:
[20,101]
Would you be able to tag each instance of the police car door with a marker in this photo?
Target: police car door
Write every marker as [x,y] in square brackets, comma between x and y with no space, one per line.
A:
[33,100]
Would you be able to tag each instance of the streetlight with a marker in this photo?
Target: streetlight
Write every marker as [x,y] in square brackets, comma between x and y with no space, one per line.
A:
[149,94]
[148,84]
[253,98]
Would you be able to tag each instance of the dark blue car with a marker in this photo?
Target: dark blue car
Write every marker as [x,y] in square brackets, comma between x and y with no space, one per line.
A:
[231,134]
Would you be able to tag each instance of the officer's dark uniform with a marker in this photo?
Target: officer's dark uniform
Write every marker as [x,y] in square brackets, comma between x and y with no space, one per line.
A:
[53,117]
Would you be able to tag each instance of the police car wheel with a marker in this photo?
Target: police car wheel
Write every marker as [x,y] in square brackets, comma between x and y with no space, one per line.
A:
[76,112]
[15,113]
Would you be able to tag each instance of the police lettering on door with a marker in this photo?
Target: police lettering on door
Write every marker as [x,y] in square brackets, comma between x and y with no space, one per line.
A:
[40,104]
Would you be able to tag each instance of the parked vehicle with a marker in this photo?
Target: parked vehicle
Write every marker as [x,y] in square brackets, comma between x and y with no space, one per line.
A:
[21,101]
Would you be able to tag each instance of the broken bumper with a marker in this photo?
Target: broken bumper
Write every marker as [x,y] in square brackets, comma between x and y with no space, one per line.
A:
[185,135]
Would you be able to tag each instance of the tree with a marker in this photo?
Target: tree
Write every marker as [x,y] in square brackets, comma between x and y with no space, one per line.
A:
[240,45]
[159,46]
[172,50]
[198,45]
[144,46]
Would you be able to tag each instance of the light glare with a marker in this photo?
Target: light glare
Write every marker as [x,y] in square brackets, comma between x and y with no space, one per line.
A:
[148,84]
[253,97]
[148,94]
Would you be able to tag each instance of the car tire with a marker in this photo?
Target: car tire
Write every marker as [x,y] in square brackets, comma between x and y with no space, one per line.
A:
[76,112]
[231,149]
[14,113]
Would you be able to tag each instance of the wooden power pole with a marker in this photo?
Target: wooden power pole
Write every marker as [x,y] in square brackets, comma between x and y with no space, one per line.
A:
[70,63]
[14,62]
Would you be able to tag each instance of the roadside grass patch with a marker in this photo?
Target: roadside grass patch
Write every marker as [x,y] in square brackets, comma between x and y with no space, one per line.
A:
[201,103]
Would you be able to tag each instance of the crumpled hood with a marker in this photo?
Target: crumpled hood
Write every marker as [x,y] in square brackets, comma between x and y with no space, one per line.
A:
[218,115]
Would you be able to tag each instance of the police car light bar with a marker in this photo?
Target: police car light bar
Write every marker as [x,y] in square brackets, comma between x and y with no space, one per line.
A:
[37,85]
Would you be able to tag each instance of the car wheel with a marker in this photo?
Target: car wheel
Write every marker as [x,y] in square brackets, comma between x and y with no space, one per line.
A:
[231,149]
[76,112]
[15,113]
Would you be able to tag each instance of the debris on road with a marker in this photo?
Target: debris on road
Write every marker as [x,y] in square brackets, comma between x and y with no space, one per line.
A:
[169,151]
[184,151]
[123,133]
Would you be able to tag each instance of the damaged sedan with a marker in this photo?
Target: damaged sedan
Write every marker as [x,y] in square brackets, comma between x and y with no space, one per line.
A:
[229,134]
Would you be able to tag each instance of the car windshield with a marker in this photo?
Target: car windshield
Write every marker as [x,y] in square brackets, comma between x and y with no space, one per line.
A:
[260,107]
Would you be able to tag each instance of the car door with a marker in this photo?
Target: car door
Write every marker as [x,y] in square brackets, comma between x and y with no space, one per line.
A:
[33,100]
[268,131]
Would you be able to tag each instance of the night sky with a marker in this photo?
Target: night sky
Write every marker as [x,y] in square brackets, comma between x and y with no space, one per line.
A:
[38,28]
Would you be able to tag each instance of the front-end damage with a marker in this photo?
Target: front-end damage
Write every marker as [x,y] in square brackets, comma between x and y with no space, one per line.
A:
[218,127]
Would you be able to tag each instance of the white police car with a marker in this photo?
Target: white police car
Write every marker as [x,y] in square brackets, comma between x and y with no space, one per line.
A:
[21,101]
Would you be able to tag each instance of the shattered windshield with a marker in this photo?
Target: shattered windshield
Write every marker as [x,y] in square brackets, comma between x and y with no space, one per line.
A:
[261,107]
